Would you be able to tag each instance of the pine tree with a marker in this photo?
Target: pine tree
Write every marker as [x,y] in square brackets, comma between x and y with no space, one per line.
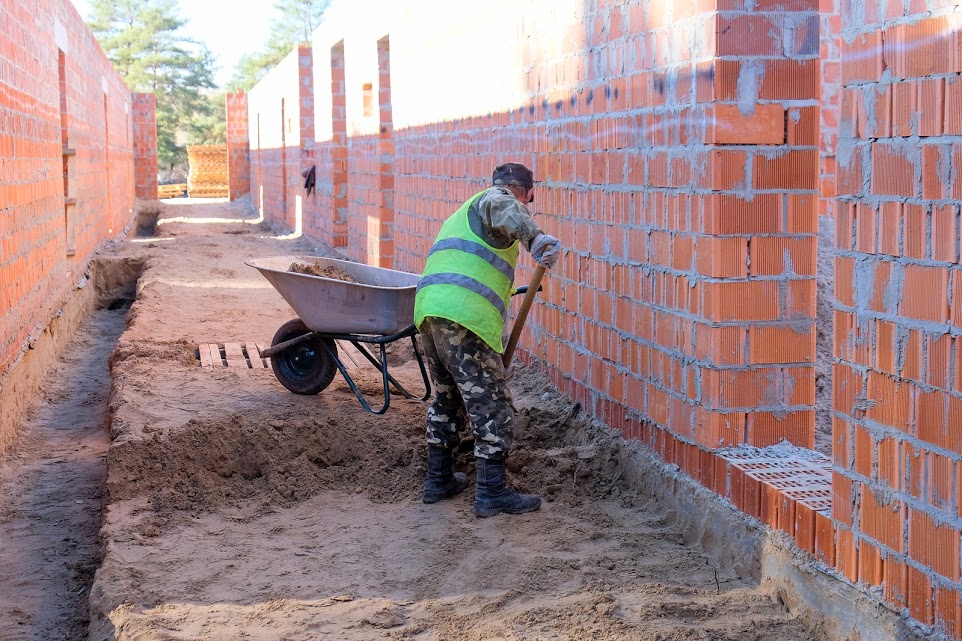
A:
[295,23]
[142,40]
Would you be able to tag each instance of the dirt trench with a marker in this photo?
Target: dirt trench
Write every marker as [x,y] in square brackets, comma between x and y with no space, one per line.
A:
[52,481]
[238,510]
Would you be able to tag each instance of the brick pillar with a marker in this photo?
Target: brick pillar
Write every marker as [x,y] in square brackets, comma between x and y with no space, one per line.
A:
[385,151]
[145,145]
[238,146]
[831,40]
[754,218]
[339,159]
[897,437]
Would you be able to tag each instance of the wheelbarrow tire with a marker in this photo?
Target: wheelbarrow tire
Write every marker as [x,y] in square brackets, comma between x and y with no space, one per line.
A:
[305,368]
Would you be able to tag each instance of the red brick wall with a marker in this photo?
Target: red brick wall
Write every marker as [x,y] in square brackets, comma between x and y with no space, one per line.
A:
[238,145]
[49,224]
[681,162]
[898,319]
[281,127]
[145,144]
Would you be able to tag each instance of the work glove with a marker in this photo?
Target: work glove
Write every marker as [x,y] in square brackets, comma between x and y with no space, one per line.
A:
[546,250]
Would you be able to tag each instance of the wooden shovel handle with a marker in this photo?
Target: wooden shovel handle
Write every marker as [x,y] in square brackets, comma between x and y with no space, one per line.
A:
[522,315]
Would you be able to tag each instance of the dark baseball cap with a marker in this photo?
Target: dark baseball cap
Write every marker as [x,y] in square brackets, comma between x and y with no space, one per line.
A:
[513,173]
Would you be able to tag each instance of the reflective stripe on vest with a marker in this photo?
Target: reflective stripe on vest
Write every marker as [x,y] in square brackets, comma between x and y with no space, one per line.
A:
[471,247]
[447,278]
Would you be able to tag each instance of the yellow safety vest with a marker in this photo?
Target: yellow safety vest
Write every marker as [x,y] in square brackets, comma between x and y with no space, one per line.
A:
[466,280]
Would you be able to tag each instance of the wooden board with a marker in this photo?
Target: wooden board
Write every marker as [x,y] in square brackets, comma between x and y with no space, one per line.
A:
[205,357]
[235,355]
[256,361]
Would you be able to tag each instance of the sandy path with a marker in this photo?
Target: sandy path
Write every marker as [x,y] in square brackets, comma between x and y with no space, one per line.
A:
[51,486]
[241,511]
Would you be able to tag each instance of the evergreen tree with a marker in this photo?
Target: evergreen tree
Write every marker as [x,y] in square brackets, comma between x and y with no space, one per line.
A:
[141,39]
[209,126]
[294,23]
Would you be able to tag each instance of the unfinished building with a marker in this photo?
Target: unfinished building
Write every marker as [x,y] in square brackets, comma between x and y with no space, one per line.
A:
[759,203]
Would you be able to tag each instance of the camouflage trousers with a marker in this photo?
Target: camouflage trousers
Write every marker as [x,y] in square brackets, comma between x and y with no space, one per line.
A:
[469,381]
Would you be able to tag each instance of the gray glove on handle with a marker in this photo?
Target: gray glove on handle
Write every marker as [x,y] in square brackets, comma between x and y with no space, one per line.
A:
[546,250]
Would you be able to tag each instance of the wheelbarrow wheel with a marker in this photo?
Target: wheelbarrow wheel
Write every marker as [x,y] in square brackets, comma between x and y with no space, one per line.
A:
[305,368]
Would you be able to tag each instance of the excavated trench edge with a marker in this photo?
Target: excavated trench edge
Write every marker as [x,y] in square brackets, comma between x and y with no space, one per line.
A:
[108,284]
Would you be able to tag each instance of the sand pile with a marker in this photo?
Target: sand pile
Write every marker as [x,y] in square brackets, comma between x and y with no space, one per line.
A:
[324,271]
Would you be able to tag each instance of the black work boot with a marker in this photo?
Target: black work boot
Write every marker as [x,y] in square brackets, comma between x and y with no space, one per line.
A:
[442,481]
[493,496]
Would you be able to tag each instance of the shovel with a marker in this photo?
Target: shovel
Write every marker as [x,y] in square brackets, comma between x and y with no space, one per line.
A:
[522,315]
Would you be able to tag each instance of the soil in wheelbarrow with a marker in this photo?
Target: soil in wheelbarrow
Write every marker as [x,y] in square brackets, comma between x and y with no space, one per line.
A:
[324,271]
[240,510]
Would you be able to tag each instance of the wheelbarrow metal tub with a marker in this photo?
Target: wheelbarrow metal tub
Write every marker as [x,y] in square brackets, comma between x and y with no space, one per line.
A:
[381,302]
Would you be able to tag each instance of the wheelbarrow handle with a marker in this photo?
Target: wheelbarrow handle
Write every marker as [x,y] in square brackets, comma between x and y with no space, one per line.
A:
[524,290]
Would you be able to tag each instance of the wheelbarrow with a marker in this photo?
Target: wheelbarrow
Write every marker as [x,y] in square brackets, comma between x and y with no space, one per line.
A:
[377,310]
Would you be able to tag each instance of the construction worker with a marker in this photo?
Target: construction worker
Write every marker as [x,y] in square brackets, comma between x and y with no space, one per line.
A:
[460,309]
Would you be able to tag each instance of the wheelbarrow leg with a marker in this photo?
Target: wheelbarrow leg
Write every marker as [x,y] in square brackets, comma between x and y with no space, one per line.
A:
[382,365]
[353,386]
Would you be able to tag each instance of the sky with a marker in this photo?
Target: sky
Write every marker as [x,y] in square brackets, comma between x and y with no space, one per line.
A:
[230,28]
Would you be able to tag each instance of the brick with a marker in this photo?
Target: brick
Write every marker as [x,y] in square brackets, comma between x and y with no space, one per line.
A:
[805,527]
[803,127]
[773,344]
[952,123]
[925,294]
[889,401]
[905,107]
[896,588]
[772,256]
[947,613]
[846,554]
[919,588]
[770,428]
[931,106]
[795,169]
[870,564]
[936,171]
[883,520]
[862,59]
[728,214]
[945,233]
[722,257]
[747,35]
[764,125]
[843,499]
[744,301]
[914,225]
[893,170]
[824,539]
[934,546]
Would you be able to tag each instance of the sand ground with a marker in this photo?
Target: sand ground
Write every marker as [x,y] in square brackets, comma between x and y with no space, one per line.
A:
[237,510]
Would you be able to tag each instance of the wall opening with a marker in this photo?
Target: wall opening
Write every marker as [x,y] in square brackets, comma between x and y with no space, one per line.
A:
[110,214]
[367,99]
[385,152]
[283,159]
[69,156]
